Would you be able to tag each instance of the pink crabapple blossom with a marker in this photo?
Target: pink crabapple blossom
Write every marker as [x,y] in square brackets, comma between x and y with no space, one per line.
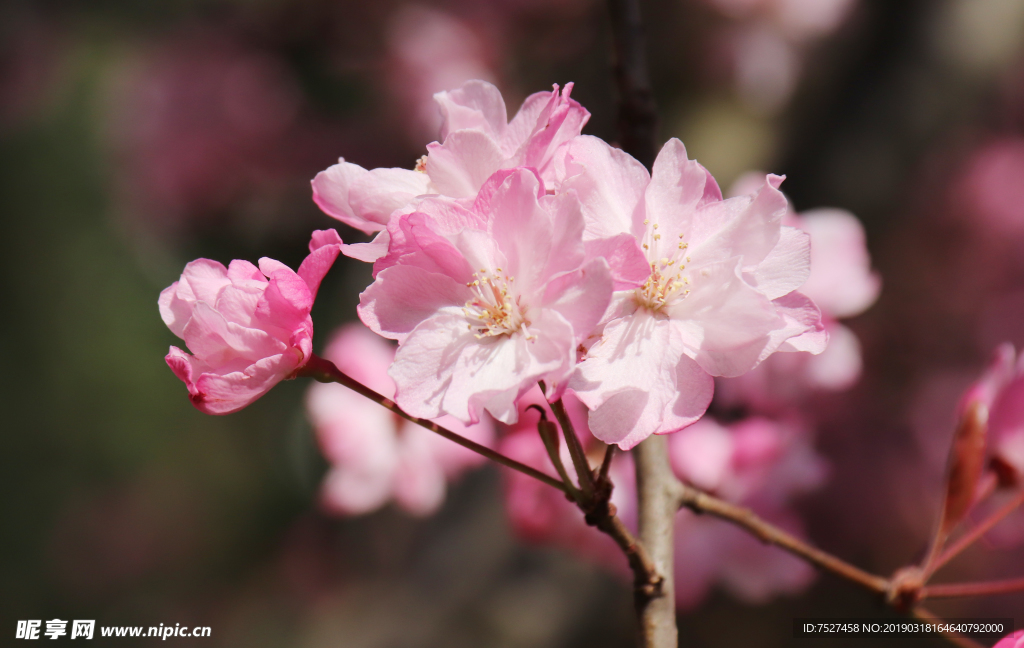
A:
[476,141]
[719,297]
[375,455]
[247,327]
[488,300]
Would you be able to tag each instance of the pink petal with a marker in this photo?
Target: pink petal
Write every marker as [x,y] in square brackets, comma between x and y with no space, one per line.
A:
[724,323]
[477,105]
[637,382]
[803,329]
[581,297]
[841,280]
[365,199]
[786,267]
[324,247]
[368,252]
[217,394]
[610,186]
[676,188]
[626,261]
[460,166]
[402,297]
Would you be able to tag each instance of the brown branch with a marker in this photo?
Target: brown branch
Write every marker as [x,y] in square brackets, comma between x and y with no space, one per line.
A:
[657,501]
[956,590]
[638,116]
[700,502]
[325,371]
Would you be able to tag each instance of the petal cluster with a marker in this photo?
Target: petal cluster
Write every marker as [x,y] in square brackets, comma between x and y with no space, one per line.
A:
[375,455]
[486,301]
[247,327]
[476,141]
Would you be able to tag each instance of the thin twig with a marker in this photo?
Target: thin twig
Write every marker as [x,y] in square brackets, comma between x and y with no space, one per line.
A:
[972,536]
[325,371]
[982,588]
[579,458]
[700,502]
[955,637]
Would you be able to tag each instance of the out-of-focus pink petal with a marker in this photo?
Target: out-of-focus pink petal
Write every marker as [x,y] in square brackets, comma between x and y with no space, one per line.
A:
[1012,640]
[702,454]
[841,280]
[837,367]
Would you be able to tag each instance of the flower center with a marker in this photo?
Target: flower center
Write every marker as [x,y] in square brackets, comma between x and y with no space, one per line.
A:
[667,281]
[493,309]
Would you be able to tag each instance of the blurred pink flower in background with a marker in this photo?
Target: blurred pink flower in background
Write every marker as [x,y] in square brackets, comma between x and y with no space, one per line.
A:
[541,514]
[842,284]
[989,190]
[199,121]
[758,463]
[768,41]
[429,51]
[377,456]
[248,327]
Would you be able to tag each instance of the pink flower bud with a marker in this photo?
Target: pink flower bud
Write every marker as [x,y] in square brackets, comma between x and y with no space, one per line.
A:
[248,328]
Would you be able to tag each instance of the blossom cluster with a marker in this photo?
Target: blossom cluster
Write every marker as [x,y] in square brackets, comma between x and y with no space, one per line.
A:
[521,262]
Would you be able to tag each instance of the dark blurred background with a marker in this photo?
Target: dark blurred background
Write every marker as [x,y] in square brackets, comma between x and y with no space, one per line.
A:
[136,136]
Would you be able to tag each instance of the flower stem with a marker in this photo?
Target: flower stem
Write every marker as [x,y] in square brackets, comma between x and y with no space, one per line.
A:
[579,457]
[955,590]
[975,533]
[700,502]
[325,371]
